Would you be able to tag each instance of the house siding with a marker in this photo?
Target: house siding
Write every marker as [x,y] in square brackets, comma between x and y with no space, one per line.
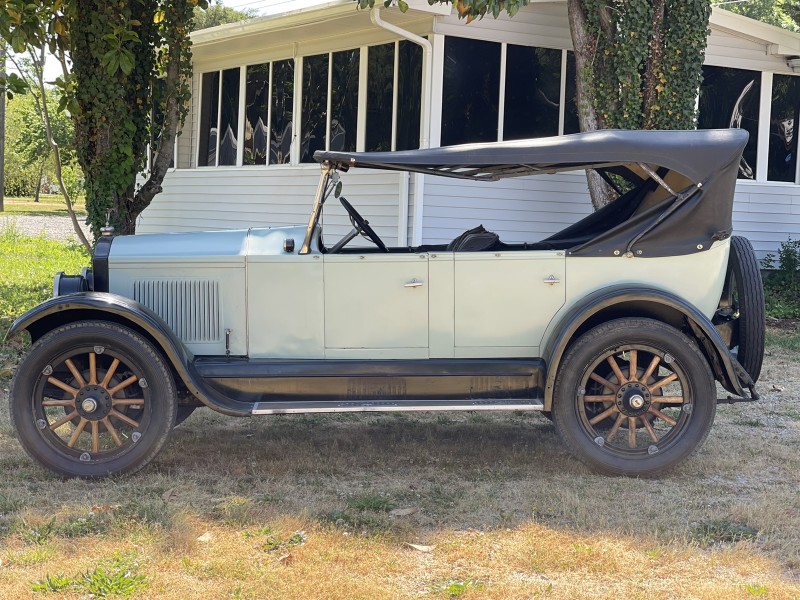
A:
[236,198]
[524,209]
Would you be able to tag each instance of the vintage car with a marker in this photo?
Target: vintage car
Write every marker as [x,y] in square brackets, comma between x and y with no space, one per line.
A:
[616,328]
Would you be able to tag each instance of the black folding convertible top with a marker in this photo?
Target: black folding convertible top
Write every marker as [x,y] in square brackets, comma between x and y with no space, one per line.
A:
[695,154]
[689,220]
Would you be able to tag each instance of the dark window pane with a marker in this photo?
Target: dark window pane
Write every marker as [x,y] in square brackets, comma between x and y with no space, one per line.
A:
[256,113]
[315,106]
[282,111]
[471,88]
[782,164]
[571,123]
[229,117]
[533,92]
[209,97]
[409,96]
[380,79]
[344,100]
[730,98]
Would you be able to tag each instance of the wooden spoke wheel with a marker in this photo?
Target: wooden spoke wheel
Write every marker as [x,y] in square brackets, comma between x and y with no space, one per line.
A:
[634,397]
[91,399]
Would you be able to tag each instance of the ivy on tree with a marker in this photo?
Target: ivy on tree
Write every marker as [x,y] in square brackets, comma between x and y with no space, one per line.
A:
[117,51]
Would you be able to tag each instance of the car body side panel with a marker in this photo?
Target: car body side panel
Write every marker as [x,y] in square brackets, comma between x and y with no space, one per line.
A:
[376,305]
[697,278]
[505,300]
[285,306]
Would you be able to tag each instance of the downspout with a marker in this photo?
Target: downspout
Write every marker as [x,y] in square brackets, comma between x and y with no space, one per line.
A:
[419,178]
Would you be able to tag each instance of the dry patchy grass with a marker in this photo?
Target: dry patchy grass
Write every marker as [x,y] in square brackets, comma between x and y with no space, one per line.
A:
[302,507]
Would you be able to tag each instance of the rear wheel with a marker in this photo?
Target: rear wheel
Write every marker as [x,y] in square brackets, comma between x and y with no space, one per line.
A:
[741,313]
[652,413]
[91,399]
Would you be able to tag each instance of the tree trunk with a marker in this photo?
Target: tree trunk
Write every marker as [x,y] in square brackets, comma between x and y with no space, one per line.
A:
[654,66]
[56,151]
[585,47]
[39,182]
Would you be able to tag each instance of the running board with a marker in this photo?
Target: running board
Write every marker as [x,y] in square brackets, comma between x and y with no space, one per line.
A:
[279,408]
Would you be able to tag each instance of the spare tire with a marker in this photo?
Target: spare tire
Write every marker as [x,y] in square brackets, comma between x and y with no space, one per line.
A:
[741,312]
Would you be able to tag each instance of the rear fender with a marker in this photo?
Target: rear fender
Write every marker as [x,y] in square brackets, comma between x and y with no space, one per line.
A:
[630,301]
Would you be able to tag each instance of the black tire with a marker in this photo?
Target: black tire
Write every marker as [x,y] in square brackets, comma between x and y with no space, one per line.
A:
[742,306]
[677,384]
[114,385]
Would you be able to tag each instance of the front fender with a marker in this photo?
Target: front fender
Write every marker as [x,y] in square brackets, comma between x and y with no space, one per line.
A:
[646,302]
[110,307]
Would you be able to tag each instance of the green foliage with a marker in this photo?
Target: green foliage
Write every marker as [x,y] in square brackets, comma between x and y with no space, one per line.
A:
[773,12]
[648,66]
[217,14]
[117,51]
[782,286]
[117,577]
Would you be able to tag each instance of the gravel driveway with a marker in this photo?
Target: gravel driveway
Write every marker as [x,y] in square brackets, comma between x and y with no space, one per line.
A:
[54,227]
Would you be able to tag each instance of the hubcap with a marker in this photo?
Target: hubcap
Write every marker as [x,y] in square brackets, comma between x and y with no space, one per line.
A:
[89,405]
[633,399]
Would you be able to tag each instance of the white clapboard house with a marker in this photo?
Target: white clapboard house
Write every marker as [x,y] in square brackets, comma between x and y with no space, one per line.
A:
[270,91]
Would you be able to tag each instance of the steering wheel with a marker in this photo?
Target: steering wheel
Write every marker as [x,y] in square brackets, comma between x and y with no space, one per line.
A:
[362,225]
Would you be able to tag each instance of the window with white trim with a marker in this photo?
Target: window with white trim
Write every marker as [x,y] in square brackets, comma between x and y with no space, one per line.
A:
[219,118]
[498,91]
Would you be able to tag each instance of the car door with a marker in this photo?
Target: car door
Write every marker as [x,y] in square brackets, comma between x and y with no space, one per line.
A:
[505,300]
[376,305]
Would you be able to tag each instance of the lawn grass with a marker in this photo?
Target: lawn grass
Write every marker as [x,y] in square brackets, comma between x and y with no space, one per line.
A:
[48,205]
[463,505]
[27,267]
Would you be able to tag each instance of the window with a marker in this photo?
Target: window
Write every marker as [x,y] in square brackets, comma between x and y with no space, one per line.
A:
[318,133]
[782,163]
[533,92]
[380,97]
[219,118]
[470,94]
[402,60]
[530,98]
[730,98]
[209,109]
[344,100]
[269,94]
[571,123]
[328,107]
[409,95]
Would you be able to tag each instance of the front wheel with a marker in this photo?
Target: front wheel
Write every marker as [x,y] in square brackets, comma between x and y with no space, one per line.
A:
[92,399]
[652,412]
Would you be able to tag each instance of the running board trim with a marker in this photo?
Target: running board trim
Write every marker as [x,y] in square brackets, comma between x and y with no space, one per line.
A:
[510,404]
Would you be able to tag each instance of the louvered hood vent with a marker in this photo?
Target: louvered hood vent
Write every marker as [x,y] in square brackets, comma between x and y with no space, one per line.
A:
[191,307]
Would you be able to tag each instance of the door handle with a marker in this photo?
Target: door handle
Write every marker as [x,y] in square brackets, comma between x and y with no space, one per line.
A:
[414,283]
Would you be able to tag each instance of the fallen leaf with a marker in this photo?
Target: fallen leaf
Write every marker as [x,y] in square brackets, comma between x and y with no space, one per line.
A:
[403,512]
[169,494]
[421,548]
[286,558]
[206,537]
[6,372]
[775,388]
